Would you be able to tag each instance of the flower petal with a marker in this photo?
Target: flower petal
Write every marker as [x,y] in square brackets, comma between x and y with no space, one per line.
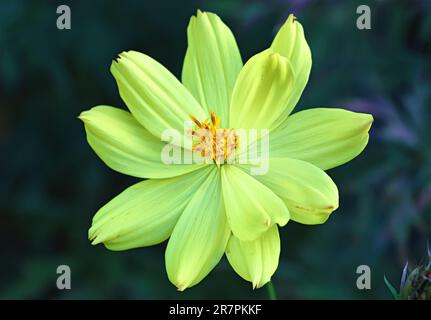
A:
[154,96]
[145,213]
[199,239]
[251,207]
[211,64]
[308,192]
[255,261]
[127,147]
[290,42]
[324,137]
[261,92]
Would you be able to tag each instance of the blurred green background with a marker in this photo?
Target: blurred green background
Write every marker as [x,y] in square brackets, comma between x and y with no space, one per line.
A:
[51,182]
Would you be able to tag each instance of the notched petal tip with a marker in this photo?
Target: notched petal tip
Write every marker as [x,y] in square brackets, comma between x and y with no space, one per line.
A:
[114,64]
[97,240]
[369,120]
[259,282]
[122,56]
[85,116]
[197,17]
[95,236]
[291,18]
[283,221]
[204,14]
[81,117]
[366,120]
[119,57]
[92,233]
[181,287]
[91,115]
[365,117]
[201,19]
[262,283]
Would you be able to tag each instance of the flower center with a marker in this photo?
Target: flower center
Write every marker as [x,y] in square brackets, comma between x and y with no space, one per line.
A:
[212,142]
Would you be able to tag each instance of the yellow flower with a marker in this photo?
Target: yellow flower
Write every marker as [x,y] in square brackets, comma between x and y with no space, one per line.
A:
[216,207]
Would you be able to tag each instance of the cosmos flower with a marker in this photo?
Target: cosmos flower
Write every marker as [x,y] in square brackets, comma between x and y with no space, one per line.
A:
[214,208]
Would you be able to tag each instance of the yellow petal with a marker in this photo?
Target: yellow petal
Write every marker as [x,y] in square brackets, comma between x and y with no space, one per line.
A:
[211,64]
[290,42]
[251,207]
[145,213]
[261,92]
[308,192]
[255,261]
[154,96]
[324,137]
[126,146]
[199,239]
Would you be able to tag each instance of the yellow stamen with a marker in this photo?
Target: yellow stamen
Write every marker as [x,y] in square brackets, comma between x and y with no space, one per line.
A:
[212,142]
[196,121]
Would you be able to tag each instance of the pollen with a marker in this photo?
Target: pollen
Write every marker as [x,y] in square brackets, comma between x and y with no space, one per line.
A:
[214,144]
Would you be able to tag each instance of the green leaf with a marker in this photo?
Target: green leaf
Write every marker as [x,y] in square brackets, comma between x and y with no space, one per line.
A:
[391,288]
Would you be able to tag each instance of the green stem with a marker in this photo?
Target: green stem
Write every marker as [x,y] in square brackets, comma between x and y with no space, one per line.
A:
[271,291]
